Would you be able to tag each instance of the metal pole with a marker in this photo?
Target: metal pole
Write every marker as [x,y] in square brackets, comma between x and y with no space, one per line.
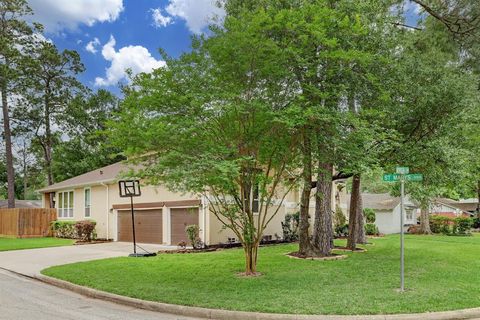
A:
[402,253]
[133,227]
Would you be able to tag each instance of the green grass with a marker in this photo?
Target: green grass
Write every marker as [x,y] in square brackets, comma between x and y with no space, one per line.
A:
[7,244]
[441,274]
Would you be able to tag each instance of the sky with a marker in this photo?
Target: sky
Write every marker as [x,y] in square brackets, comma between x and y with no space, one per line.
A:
[113,35]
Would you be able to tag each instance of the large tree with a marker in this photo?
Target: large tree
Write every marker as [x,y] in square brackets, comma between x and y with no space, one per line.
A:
[217,122]
[52,85]
[15,40]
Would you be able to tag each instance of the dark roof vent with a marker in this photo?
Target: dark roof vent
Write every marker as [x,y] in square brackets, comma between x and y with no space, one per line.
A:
[101,171]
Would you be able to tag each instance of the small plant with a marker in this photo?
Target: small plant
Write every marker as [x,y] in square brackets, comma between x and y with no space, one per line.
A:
[182,245]
[371,229]
[462,226]
[290,227]
[441,224]
[64,229]
[369,215]
[85,230]
[341,231]
[192,233]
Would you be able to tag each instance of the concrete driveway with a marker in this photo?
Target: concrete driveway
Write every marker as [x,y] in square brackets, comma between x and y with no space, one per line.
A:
[30,262]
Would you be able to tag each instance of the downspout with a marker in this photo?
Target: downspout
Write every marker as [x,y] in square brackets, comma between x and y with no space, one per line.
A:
[204,213]
[108,209]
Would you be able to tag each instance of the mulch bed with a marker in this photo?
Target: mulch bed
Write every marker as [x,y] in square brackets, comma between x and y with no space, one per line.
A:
[333,256]
[340,248]
[187,251]
[81,242]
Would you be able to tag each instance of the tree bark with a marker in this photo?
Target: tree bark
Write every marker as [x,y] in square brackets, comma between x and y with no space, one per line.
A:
[8,148]
[361,238]
[353,212]
[251,253]
[425,219]
[304,224]
[48,138]
[323,226]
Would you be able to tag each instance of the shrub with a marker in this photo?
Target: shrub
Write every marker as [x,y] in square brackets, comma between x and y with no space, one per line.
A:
[64,229]
[462,225]
[371,229]
[339,218]
[85,230]
[440,224]
[414,229]
[192,233]
[290,227]
[341,230]
[369,215]
[476,222]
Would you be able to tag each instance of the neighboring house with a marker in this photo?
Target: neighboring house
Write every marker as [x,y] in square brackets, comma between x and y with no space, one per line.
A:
[22,204]
[387,211]
[160,215]
[448,208]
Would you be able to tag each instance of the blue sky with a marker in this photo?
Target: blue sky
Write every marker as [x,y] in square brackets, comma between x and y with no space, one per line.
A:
[122,33]
[112,35]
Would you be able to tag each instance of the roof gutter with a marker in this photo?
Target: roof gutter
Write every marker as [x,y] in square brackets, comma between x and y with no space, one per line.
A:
[79,185]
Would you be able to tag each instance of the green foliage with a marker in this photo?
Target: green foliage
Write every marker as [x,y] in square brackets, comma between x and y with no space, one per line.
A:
[451,226]
[369,215]
[339,218]
[290,227]
[341,230]
[192,234]
[371,229]
[64,229]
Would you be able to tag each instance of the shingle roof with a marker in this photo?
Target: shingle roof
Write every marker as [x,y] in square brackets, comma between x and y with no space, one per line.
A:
[22,204]
[102,175]
[378,201]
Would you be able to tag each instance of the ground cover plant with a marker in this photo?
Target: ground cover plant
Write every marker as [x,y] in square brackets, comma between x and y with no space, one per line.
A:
[439,276]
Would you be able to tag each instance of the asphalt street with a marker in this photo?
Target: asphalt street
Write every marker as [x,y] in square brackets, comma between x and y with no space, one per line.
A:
[23,298]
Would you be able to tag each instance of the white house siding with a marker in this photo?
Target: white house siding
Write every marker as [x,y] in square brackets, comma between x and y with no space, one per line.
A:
[388,221]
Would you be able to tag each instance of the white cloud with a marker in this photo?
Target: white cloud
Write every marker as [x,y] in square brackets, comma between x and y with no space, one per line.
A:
[135,58]
[92,45]
[413,7]
[159,20]
[56,15]
[198,14]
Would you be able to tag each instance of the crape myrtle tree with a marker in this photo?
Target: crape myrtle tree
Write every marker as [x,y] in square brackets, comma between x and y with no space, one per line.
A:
[217,122]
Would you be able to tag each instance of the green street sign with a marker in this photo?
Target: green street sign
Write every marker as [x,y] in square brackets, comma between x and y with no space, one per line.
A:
[402,170]
[391,177]
[414,177]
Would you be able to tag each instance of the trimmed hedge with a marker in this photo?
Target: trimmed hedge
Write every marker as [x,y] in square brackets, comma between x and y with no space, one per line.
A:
[82,230]
[451,226]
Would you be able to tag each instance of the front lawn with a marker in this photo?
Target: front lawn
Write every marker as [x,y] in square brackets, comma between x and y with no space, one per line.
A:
[441,274]
[7,244]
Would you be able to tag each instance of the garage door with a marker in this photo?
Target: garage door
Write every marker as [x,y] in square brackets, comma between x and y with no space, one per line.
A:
[148,226]
[180,218]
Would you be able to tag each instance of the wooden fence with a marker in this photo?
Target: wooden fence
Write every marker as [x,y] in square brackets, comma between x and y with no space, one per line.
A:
[26,222]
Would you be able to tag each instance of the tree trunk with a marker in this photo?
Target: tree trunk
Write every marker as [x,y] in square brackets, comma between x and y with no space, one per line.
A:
[361,238]
[8,148]
[425,219]
[251,251]
[48,139]
[353,212]
[304,225]
[323,228]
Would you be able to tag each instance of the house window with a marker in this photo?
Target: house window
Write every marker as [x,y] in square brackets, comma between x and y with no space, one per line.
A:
[87,202]
[255,203]
[409,214]
[65,204]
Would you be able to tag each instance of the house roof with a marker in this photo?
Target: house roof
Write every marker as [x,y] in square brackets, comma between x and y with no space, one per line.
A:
[106,174]
[463,205]
[22,204]
[378,201]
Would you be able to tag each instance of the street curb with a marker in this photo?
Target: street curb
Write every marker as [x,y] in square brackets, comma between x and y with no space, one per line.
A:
[242,315]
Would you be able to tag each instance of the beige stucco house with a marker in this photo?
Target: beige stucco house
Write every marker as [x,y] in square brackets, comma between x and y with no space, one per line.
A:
[160,215]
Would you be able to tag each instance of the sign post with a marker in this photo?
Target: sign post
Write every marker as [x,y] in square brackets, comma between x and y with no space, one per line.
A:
[402,174]
[130,189]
